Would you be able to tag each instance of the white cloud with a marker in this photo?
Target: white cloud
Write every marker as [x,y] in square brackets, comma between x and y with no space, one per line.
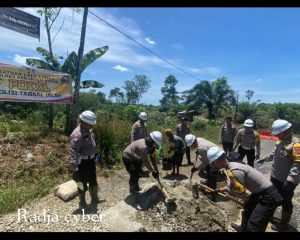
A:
[21,60]
[97,34]
[148,40]
[177,46]
[205,70]
[120,68]
[195,70]
[259,80]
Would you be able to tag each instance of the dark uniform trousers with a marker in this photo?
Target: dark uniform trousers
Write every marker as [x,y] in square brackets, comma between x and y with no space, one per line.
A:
[177,158]
[87,173]
[249,153]
[227,146]
[132,168]
[259,209]
[211,176]
[188,154]
[287,204]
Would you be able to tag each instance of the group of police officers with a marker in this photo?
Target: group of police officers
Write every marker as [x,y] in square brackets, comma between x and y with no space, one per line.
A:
[265,195]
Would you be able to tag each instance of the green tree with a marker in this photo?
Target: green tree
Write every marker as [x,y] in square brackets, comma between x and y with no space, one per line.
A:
[246,110]
[135,88]
[116,93]
[249,94]
[281,110]
[213,95]
[169,92]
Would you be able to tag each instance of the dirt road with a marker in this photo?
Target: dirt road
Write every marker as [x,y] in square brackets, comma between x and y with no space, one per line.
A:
[117,213]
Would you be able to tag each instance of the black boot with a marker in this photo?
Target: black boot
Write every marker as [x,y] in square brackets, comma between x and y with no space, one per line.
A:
[137,200]
[283,225]
[94,195]
[238,227]
[82,202]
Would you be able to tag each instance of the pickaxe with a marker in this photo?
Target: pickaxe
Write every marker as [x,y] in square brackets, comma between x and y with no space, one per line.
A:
[167,196]
[192,173]
[221,194]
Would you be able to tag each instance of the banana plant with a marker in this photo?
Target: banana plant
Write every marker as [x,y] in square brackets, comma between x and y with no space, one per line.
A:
[69,65]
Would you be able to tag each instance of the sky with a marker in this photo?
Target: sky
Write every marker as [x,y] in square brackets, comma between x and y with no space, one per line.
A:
[255,48]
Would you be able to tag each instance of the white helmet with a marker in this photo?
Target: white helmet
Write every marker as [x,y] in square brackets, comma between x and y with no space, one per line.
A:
[157,137]
[279,126]
[214,153]
[88,117]
[248,123]
[189,139]
[143,116]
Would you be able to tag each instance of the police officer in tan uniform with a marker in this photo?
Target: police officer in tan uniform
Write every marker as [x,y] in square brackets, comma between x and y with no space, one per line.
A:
[82,149]
[202,145]
[227,134]
[182,130]
[247,139]
[260,205]
[285,173]
[139,128]
[139,131]
[142,150]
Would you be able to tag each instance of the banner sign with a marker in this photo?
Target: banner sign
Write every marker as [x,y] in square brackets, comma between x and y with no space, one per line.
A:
[19,21]
[26,84]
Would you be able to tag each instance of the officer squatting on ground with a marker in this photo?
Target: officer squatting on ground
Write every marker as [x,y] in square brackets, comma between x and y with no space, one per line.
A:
[261,204]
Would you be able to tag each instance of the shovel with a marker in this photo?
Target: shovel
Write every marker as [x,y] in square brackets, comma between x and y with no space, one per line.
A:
[192,173]
[167,196]
[221,194]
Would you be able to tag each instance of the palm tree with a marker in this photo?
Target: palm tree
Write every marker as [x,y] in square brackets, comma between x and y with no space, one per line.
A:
[213,95]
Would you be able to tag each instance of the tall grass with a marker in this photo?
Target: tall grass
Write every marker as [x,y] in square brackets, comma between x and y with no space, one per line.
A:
[112,136]
[17,194]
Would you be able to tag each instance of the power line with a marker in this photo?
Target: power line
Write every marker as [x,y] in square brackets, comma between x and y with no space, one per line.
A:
[172,64]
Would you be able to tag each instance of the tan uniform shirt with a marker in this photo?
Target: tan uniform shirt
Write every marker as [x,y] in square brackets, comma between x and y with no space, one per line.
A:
[203,146]
[227,134]
[182,130]
[82,145]
[286,165]
[138,131]
[250,178]
[248,140]
[138,151]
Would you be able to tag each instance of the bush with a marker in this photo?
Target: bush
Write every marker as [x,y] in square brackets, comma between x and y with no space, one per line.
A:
[131,113]
[199,124]
[111,136]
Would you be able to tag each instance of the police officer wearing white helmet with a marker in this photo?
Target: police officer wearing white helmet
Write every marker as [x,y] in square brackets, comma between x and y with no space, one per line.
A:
[139,131]
[247,140]
[285,169]
[260,205]
[142,150]
[202,145]
[82,153]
